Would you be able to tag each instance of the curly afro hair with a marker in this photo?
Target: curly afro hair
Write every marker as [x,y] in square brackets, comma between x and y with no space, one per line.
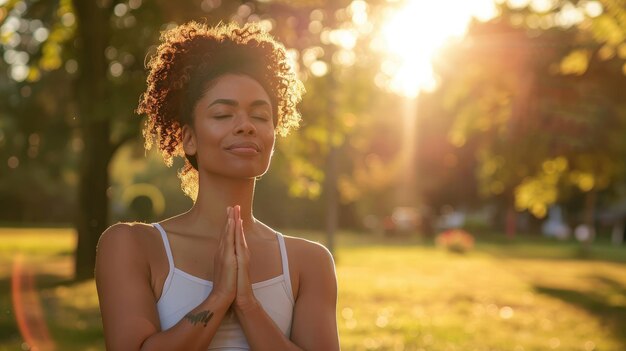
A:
[188,59]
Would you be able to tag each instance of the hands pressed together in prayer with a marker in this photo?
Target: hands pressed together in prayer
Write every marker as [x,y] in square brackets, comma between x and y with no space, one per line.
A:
[232,278]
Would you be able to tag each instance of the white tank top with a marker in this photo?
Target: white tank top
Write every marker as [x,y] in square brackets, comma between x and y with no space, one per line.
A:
[182,292]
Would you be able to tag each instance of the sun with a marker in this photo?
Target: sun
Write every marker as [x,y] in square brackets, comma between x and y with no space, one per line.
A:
[413,34]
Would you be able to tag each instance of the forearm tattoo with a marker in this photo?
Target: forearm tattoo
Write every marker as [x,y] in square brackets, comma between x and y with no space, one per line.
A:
[200,317]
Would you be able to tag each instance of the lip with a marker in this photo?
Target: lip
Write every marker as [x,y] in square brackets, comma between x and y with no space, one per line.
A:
[244,148]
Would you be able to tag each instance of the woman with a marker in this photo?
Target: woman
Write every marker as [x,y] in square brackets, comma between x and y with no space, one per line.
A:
[215,277]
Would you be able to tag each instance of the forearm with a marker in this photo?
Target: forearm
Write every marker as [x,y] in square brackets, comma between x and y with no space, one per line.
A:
[261,331]
[194,331]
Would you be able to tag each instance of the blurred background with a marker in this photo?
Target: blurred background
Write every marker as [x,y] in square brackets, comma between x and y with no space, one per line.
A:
[463,160]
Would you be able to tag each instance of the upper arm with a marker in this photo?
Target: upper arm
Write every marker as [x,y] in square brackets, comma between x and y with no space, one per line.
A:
[127,303]
[314,325]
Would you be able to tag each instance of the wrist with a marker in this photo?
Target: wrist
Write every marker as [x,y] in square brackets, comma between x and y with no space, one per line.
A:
[221,301]
[246,305]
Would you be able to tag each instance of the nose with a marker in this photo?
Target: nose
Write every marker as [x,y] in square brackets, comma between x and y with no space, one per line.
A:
[244,125]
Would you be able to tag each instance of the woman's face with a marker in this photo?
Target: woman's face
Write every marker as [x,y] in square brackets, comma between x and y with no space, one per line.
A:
[233,132]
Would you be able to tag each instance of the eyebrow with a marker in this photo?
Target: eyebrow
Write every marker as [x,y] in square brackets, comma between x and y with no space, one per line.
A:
[235,103]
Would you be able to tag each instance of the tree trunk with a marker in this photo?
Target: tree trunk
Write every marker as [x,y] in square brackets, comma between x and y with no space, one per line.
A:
[511,222]
[590,206]
[510,217]
[92,38]
[93,201]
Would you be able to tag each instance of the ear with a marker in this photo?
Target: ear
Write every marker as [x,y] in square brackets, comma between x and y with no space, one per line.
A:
[189,140]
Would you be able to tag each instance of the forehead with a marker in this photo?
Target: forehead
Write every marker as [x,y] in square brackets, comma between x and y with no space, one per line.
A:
[237,87]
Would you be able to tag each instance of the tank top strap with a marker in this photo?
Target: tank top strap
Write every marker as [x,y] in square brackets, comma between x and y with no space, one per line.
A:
[285,261]
[166,244]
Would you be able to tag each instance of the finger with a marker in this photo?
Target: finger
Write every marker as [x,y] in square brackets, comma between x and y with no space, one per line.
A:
[243,237]
[237,236]
[237,225]
[225,230]
[225,239]
[229,212]
[241,247]
[230,238]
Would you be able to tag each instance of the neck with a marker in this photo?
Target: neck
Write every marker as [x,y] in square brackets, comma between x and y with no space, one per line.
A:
[215,194]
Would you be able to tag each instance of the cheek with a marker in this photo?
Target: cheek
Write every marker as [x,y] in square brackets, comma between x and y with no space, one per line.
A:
[210,133]
[271,139]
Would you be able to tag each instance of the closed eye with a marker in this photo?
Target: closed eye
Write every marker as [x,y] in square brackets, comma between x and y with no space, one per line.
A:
[222,116]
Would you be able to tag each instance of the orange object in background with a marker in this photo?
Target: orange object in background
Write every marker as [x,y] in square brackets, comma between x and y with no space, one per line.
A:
[455,240]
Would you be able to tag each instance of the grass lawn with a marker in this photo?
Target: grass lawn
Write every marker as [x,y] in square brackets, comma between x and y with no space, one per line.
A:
[526,294]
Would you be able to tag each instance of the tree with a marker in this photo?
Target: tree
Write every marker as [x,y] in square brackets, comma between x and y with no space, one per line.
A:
[88,46]
[90,40]
[545,117]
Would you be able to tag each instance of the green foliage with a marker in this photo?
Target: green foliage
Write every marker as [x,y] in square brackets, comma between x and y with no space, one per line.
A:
[55,62]
[575,62]
[601,27]
[535,193]
[525,104]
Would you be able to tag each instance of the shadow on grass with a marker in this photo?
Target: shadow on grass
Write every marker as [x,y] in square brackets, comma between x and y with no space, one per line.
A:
[42,281]
[499,246]
[596,303]
[551,250]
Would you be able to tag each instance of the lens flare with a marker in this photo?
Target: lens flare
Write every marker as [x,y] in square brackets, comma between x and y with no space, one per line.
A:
[27,308]
[413,35]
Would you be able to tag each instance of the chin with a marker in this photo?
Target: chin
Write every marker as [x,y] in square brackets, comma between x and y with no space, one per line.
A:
[241,174]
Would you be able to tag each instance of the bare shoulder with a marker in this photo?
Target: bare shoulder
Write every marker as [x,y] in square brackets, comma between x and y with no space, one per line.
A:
[130,242]
[125,234]
[308,253]
[123,281]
